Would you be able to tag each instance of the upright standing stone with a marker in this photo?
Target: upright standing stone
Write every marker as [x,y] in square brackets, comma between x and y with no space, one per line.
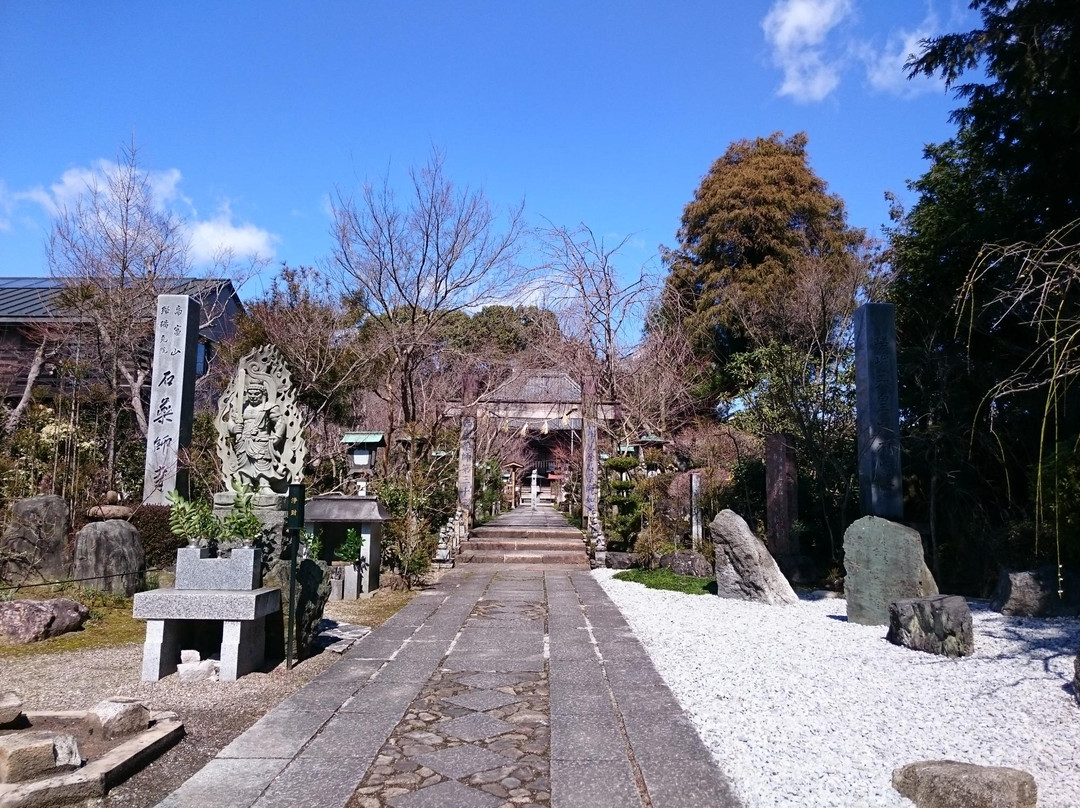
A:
[695,510]
[877,405]
[781,495]
[534,489]
[884,563]
[172,396]
[467,451]
[590,460]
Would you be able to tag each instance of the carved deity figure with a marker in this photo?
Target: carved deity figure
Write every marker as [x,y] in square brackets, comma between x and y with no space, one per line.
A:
[258,425]
[258,432]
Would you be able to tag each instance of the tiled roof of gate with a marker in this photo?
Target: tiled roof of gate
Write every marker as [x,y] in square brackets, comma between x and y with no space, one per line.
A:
[537,387]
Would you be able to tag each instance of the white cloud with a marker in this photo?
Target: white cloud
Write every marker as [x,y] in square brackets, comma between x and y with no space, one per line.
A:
[209,240]
[797,31]
[885,64]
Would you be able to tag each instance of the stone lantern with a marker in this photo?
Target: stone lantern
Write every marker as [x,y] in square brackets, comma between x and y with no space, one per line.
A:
[362,452]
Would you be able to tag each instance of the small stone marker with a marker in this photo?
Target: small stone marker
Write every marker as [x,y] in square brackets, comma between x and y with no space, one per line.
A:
[10,706]
[172,396]
[940,624]
[951,784]
[877,406]
[884,563]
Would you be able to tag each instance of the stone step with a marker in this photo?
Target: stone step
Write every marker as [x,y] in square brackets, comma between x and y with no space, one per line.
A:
[515,532]
[577,558]
[504,545]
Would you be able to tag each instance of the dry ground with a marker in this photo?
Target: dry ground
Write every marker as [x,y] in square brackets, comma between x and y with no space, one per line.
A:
[79,670]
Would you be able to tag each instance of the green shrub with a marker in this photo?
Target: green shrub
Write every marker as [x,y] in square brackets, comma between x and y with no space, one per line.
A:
[158,541]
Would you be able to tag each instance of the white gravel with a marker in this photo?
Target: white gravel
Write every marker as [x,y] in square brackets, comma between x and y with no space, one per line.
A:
[801,708]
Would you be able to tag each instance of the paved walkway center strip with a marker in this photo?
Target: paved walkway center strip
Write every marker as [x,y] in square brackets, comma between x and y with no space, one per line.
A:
[498,687]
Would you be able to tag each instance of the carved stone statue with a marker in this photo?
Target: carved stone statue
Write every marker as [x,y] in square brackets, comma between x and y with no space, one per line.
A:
[258,426]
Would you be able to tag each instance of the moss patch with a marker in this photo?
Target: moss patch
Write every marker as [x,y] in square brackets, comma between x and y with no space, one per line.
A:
[666,579]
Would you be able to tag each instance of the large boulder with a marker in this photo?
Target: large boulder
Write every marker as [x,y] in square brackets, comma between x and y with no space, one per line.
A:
[1034,593]
[312,592]
[109,557]
[25,621]
[34,547]
[884,563]
[940,624]
[949,784]
[687,562]
[744,568]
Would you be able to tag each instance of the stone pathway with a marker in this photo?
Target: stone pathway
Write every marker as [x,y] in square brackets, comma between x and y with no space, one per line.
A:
[501,686]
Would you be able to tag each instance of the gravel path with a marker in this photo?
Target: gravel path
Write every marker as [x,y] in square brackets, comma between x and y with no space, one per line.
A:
[802,708]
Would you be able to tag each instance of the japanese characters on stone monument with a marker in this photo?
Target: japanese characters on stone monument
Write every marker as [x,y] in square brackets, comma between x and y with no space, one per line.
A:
[259,431]
[877,405]
[172,396]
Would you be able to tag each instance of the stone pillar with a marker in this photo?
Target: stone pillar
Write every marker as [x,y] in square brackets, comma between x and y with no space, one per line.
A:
[172,397]
[877,405]
[781,495]
[695,511]
[590,458]
[467,449]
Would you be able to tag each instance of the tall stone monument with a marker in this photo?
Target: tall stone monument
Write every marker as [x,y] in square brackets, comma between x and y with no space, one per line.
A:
[781,496]
[695,511]
[467,451]
[877,405]
[172,397]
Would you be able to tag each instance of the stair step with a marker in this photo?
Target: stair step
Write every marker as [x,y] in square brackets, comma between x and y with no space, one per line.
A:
[526,533]
[528,545]
[522,557]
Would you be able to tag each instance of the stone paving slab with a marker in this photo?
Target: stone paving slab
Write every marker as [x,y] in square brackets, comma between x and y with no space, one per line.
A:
[497,688]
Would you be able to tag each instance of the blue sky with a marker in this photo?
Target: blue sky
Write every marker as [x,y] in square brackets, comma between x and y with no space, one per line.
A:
[250,115]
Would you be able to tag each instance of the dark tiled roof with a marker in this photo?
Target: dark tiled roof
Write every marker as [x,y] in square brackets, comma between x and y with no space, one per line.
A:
[35,298]
[537,387]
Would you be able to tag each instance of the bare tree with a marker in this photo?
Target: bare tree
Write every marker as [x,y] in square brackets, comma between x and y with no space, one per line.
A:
[411,265]
[597,306]
[115,250]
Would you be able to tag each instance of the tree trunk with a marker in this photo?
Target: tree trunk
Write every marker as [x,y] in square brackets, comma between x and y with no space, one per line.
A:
[31,378]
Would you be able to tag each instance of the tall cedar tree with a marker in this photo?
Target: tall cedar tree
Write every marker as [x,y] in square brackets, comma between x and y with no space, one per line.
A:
[759,215]
[1008,175]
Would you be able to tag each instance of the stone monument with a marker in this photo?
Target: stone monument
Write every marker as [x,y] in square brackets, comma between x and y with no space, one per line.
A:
[259,439]
[172,397]
[884,563]
[695,511]
[877,406]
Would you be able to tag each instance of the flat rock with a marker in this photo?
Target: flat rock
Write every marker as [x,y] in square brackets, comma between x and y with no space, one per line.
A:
[939,624]
[950,784]
[745,570]
[884,563]
[205,671]
[109,512]
[26,755]
[119,716]
[26,621]
[687,562]
[1034,593]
